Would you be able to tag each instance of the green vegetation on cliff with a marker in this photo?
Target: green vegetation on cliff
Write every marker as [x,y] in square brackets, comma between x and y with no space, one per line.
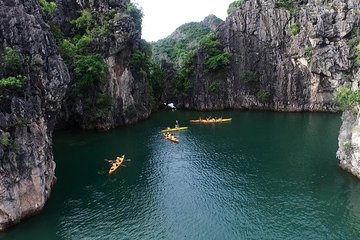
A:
[235,5]
[217,59]
[215,87]
[347,98]
[287,4]
[143,66]
[175,49]
[14,83]
[88,67]
[264,96]
[185,39]
[49,7]
[295,29]
[250,76]
[84,44]
[11,60]
[181,48]
[89,71]
[185,74]
[11,70]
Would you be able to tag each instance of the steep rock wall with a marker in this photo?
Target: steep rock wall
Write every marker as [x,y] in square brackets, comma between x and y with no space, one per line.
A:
[130,97]
[349,137]
[27,118]
[294,71]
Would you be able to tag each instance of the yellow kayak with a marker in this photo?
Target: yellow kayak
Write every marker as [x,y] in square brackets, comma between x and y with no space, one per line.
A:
[212,120]
[171,138]
[174,129]
[116,164]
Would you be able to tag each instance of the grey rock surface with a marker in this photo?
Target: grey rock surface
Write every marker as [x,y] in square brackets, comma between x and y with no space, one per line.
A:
[297,71]
[27,119]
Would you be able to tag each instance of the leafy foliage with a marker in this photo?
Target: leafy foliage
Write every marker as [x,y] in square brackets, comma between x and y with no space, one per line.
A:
[78,47]
[135,12]
[143,67]
[250,76]
[354,37]
[214,87]
[81,46]
[295,29]
[102,106]
[185,39]
[84,22]
[11,85]
[68,49]
[211,44]
[140,63]
[234,5]
[89,70]
[217,59]
[347,146]
[309,52]
[264,96]
[182,51]
[15,83]
[184,75]
[6,141]
[218,62]
[346,98]
[48,7]
[11,60]
[157,80]
[287,4]
[83,43]
[56,30]
[117,17]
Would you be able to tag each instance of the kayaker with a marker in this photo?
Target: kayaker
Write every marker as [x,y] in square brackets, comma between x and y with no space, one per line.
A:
[176,124]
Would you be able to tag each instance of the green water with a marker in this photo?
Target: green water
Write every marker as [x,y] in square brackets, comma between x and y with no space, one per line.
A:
[262,176]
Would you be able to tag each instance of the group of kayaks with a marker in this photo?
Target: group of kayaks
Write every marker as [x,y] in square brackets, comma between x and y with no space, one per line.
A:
[169,135]
[211,120]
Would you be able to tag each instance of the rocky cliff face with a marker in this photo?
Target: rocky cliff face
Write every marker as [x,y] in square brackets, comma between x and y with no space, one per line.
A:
[34,81]
[349,137]
[281,59]
[27,116]
[349,143]
[120,33]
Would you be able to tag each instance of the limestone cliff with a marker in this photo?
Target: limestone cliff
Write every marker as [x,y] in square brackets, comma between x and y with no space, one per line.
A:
[284,59]
[349,137]
[35,82]
[27,115]
[115,32]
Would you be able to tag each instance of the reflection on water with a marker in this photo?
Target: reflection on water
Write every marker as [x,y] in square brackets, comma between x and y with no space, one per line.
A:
[262,176]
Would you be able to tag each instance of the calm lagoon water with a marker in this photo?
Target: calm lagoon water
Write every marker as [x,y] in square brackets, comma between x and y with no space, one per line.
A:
[263,176]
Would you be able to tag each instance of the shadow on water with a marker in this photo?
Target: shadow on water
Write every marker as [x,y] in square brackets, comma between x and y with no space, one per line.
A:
[263,176]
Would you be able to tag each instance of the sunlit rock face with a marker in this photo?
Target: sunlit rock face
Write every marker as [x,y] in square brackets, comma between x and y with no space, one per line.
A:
[27,117]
